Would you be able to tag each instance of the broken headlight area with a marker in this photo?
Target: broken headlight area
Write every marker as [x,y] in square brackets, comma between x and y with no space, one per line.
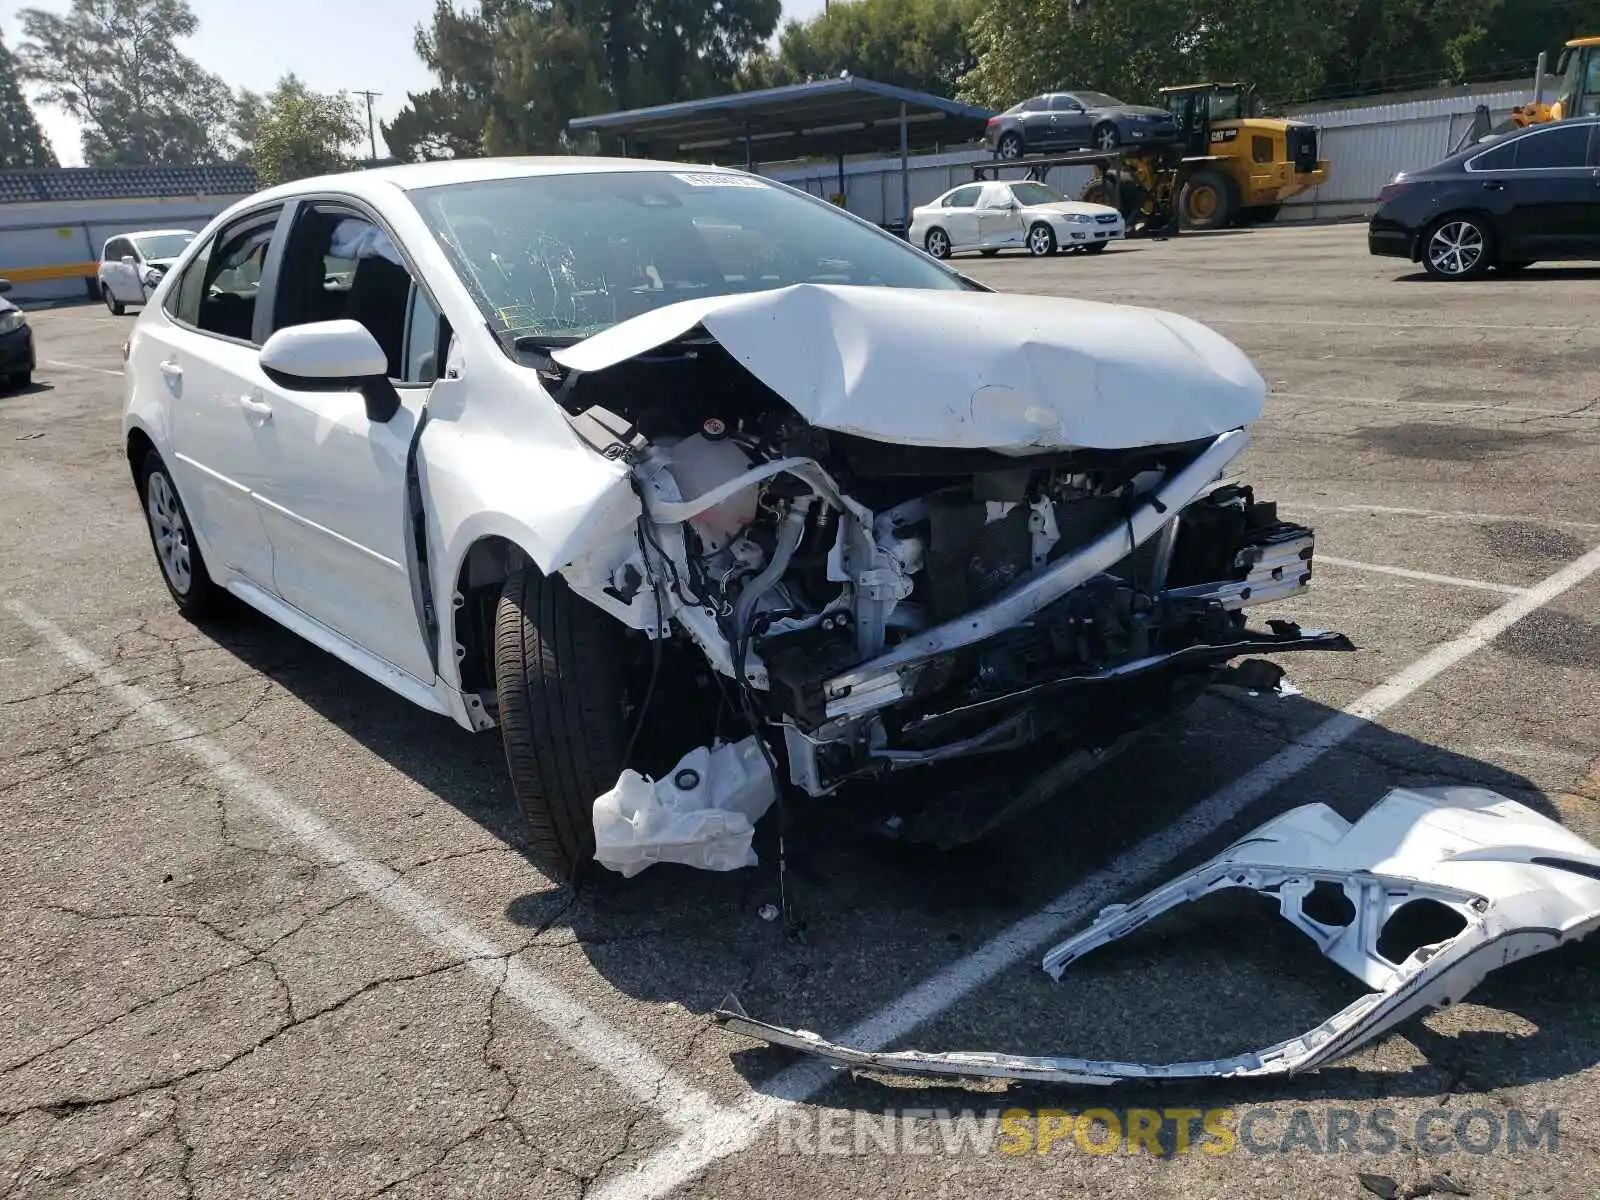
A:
[892,558]
[1420,899]
[883,607]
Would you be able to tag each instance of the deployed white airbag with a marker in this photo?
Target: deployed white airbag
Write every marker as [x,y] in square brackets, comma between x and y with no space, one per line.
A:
[964,370]
[702,814]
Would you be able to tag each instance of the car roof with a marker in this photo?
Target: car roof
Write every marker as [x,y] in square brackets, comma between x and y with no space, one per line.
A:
[140,233]
[413,176]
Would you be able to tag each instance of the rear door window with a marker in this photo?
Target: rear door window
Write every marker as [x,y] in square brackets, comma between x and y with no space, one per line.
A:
[218,290]
[963,197]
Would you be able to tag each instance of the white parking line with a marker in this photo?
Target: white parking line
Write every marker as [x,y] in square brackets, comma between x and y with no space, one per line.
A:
[1508,328]
[72,366]
[733,1131]
[1435,514]
[1459,406]
[1422,576]
[584,1031]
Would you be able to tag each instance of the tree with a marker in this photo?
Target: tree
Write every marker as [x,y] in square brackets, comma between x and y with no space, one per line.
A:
[115,66]
[512,73]
[294,132]
[918,44]
[22,142]
[1131,48]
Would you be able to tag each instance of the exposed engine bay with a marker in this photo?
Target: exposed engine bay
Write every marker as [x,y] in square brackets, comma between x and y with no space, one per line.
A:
[883,606]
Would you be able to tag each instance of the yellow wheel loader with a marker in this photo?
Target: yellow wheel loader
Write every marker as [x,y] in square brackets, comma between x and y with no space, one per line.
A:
[1230,166]
[1579,93]
[1241,166]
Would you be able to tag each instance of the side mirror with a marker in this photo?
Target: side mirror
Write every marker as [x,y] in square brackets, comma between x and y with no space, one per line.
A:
[130,260]
[5,286]
[332,356]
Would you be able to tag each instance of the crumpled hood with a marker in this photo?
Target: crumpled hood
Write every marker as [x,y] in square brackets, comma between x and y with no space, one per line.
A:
[964,370]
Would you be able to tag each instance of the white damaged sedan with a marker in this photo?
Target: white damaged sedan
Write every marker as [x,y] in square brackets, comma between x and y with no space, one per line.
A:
[677,469]
[1013,214]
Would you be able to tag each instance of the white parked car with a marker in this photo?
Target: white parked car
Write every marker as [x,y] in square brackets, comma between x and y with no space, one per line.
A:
[131,264]
[996,216]
[629,459]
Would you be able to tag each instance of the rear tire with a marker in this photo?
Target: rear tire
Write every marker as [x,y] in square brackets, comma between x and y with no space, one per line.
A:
[1458,246]
[116,306]
[183,568]
[1209,201]
[559,676]
[937,242]
[1010,145]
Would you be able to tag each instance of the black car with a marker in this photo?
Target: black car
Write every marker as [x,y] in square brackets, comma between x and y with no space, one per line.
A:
[16,343]
[1507,203]
[1076,121]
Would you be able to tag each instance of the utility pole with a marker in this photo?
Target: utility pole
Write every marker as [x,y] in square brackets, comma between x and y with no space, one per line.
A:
[372,133]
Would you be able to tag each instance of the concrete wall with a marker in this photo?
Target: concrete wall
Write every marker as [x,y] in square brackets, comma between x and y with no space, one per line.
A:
[48,249]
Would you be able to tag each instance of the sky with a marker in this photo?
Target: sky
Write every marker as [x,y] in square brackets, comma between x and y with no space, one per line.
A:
[333,45]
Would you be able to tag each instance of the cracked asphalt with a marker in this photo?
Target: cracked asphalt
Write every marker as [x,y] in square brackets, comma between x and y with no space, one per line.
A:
[265,929]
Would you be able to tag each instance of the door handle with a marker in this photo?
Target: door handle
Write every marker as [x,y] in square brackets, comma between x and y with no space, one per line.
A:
[256,407]
[171,369]
[1493,185]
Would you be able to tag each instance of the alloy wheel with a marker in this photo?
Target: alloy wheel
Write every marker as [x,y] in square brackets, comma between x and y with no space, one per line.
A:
[1107,139]
[1039,240]
[171,532]
[938,245]
[1456,247]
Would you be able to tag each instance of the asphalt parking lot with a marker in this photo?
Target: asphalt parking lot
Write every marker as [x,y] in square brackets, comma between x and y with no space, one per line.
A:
[268,931]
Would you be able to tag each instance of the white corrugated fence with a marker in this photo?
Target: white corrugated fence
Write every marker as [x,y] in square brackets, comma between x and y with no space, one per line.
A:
[1366,140]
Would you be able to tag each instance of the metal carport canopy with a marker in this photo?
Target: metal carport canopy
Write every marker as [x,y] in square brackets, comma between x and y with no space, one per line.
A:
[831,117]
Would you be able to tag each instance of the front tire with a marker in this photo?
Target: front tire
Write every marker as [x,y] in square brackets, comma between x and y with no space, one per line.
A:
[1010,145]
[559,676]
[1209,201]
[1107,136]
[183,568]
[1041,240]
[1458,247]
[937,243]
[116,307]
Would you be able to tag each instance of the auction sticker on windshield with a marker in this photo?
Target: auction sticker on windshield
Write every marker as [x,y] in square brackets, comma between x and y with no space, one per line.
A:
[717,179]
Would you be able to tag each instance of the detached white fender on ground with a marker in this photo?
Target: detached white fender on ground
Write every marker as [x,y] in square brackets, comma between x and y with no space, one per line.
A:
[1420,899]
